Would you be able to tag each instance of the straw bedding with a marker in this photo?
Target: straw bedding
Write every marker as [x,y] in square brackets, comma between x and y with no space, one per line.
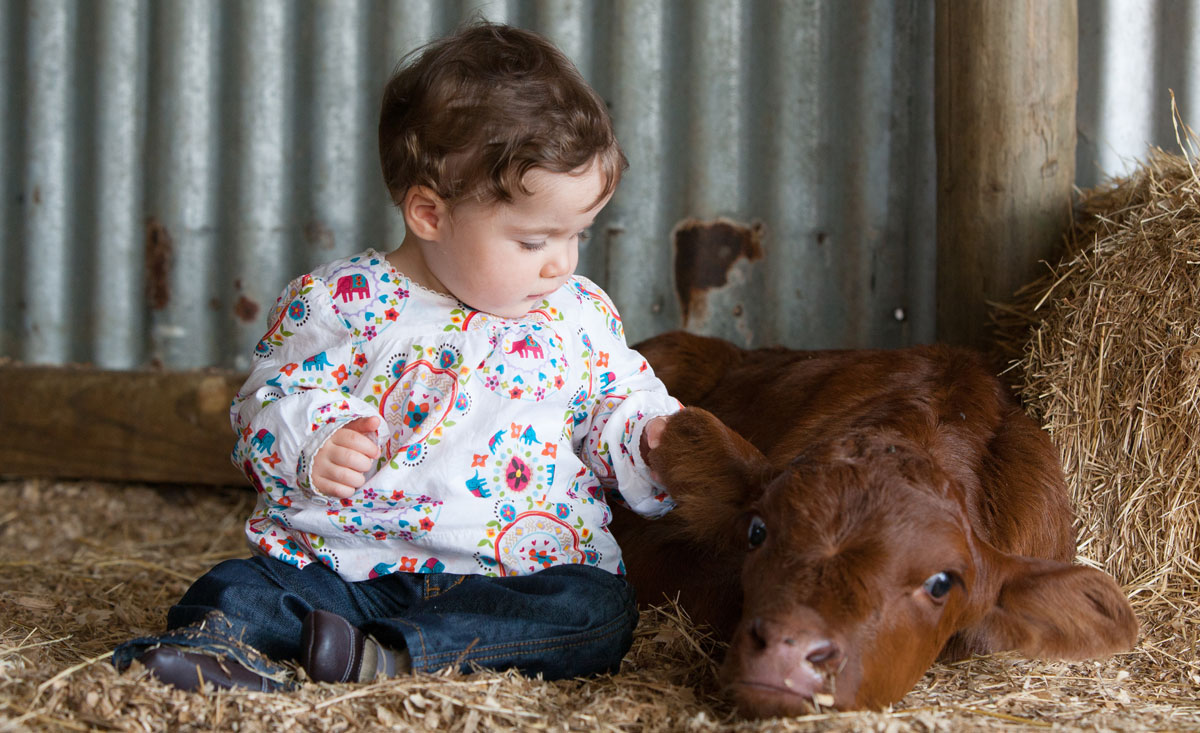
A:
[1109,359]
[88,565]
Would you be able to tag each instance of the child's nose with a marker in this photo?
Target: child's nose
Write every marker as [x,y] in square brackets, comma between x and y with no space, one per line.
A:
[561,262]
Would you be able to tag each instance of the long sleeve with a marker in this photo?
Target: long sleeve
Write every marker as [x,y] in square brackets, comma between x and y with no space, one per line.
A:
[299,391]
[623,397]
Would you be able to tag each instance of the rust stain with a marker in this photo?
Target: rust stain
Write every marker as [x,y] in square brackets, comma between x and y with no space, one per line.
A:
[319,234]
[37,195]
[245,309]
[705,251]
[158,264]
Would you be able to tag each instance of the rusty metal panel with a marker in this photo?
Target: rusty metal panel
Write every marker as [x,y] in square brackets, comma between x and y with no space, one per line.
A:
[168,166]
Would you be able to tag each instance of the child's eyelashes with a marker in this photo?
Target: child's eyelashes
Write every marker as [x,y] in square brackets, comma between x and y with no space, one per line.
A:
[535,246]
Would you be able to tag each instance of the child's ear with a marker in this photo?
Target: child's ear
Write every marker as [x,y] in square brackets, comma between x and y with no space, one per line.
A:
[425,212]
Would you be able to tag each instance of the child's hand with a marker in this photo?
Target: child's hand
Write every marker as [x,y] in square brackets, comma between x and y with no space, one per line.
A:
[340,465]
[651,435]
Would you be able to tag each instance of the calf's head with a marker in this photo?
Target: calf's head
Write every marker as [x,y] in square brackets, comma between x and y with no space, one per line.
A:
[860,564]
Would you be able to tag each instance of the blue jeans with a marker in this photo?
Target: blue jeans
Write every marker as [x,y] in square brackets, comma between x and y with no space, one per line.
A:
[565,621]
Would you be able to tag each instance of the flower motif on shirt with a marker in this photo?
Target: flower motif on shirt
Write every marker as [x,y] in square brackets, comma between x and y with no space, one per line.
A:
[292,311]
[416,414]
[516,474]
[419,397]
[521,542]
[527,362]
[513,465]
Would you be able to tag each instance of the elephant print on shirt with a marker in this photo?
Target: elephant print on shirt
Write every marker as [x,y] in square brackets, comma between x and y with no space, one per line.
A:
[352,286]
[263,441]
[527,363]
[526,348]
[319,361]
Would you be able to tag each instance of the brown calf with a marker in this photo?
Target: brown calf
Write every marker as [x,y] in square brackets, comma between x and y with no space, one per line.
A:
[845,517]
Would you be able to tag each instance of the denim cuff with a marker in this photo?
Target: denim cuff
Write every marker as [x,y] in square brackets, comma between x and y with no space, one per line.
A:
[215,636]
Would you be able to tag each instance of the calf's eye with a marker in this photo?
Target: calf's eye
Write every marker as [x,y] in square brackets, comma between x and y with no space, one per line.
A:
[938,585]
[758,532]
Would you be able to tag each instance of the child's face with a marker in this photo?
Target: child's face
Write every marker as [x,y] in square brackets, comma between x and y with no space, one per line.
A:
[504,258]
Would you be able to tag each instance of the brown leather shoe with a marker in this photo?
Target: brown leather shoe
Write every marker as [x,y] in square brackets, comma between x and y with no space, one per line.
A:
[331,648]
[334,650]
[189,670]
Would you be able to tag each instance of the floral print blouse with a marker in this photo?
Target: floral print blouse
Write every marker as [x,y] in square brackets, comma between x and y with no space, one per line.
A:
[501,439]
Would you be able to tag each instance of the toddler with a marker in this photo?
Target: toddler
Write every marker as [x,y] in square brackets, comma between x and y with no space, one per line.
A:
[434,432]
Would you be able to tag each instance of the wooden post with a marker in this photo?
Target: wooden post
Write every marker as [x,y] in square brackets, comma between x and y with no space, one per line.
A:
[1005,83]
[154,427]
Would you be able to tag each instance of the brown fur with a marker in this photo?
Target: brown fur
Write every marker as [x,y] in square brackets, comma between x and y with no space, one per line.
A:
[872,473]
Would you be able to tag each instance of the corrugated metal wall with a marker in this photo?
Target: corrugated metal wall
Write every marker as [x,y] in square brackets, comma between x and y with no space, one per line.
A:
[169,164]
[1132,53]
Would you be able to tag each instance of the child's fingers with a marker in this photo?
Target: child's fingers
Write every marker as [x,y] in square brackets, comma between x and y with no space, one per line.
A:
[654,431]
[343,476]
[651,437]
[351,456]
[360,436]
[329,487]
[364,425]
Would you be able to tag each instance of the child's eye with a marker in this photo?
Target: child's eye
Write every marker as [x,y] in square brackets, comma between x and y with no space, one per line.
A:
[585,234]
[532,246]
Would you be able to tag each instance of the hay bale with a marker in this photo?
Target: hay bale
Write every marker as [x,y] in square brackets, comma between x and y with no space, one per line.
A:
[1110,363]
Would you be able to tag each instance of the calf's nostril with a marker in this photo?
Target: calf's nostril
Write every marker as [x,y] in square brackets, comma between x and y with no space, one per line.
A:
[822,653]
[758,633]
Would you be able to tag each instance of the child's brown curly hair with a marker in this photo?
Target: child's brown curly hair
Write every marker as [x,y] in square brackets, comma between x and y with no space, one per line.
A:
[470,114]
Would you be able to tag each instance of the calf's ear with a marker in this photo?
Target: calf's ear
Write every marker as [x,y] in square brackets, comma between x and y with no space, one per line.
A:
[710,471]
[1049,609]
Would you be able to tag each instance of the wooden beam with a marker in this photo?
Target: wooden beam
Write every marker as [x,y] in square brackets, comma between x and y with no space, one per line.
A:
[1005,83]
[154,427]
